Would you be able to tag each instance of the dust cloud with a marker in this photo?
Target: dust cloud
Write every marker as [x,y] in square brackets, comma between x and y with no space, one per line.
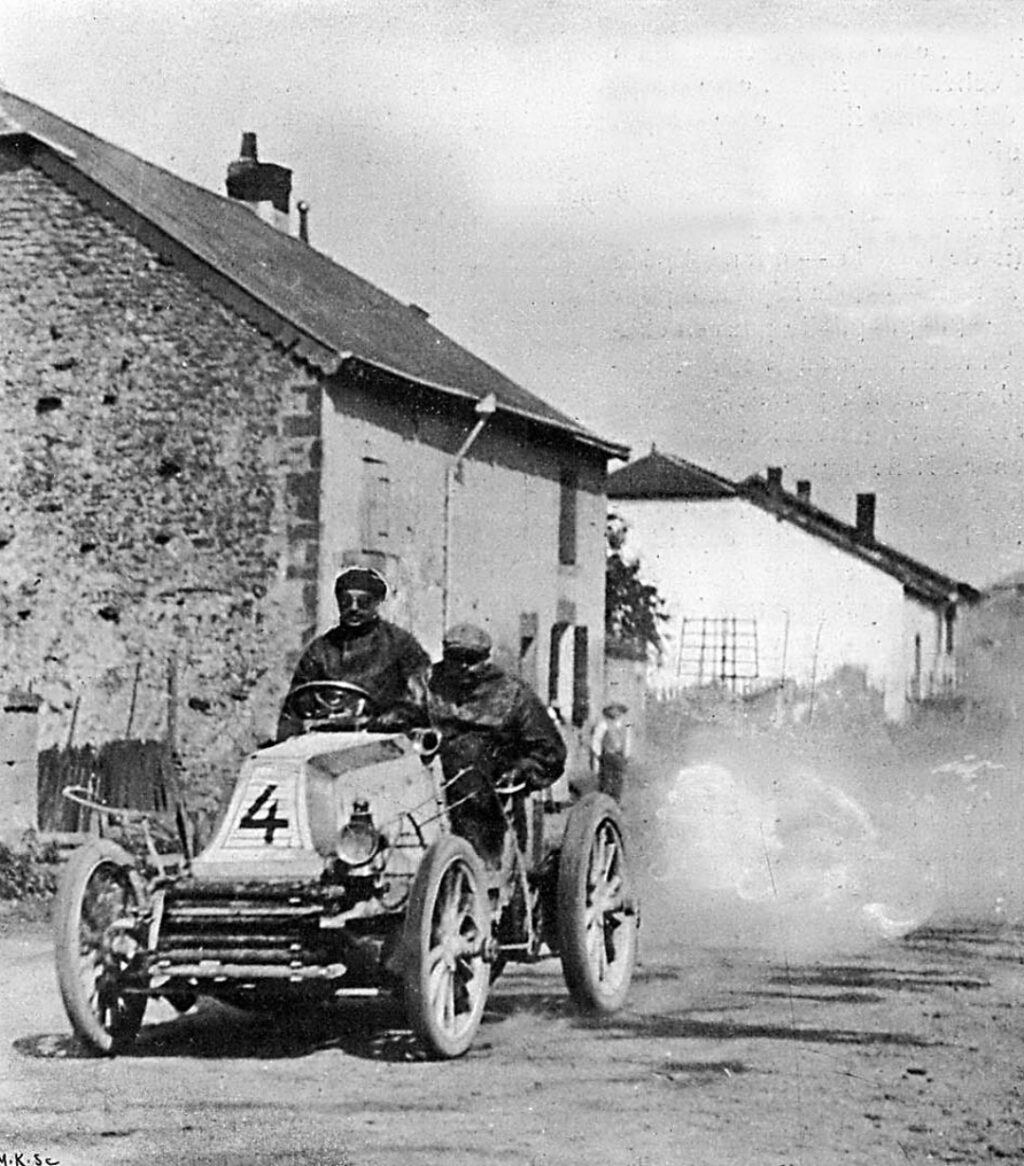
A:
[802,843]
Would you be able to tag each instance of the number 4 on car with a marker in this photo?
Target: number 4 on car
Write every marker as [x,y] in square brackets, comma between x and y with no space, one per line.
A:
[263,815]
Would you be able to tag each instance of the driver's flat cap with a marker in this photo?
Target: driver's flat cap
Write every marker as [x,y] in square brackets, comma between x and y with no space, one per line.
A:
[467,637]
[361,579]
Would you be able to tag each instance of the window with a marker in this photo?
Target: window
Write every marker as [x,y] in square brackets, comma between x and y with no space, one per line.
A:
[560,667]
[529,628]
[568,668]
[567,505]
[580,668]
[375,505]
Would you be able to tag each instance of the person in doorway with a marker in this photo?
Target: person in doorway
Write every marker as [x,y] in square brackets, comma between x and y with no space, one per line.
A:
[366,650]
[496,737]
[610,748]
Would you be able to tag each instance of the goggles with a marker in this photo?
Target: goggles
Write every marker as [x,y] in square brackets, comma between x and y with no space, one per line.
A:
[360,601]
[464,656]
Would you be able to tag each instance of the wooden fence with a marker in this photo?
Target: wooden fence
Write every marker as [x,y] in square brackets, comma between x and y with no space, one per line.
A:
[137,775]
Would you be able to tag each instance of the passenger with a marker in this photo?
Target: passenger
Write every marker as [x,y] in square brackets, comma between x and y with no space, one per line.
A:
[495,733]
[366,650]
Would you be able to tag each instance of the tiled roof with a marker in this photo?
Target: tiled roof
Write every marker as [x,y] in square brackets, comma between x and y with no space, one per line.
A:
[328,314]
[660,475]
[664,477]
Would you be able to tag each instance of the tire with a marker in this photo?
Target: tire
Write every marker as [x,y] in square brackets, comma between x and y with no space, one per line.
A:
[447,925]
[248,1003]
[598,918]
[96,935]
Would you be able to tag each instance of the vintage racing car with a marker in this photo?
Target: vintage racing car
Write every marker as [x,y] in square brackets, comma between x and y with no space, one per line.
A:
[334,873]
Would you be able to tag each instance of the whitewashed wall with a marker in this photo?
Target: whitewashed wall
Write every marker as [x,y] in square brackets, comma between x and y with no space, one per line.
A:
[504,535]
[816,607]
[930,665]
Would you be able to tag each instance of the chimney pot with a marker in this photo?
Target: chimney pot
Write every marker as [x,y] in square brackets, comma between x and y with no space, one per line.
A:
[266,188]
[303,208]
[774,478]
[803,490]
[866,517]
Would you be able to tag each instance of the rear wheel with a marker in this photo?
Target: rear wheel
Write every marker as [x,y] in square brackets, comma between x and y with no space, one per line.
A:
[98,936]
[446,927]
[598,917]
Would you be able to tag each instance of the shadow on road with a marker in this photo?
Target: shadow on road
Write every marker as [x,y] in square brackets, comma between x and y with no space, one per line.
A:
[682,1027]
[372,1030]
[889,979]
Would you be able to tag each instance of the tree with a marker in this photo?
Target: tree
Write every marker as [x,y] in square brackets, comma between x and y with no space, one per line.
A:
[633,609]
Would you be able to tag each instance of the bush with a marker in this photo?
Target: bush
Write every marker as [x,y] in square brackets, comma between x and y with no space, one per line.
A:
[30,871]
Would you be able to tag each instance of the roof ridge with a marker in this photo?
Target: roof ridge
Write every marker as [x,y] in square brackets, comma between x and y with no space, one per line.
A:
[785,505]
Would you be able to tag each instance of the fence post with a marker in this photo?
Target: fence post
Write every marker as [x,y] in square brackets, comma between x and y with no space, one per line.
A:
[19,774]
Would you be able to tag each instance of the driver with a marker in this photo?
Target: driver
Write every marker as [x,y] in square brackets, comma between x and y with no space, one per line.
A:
[495,732]
[366,650]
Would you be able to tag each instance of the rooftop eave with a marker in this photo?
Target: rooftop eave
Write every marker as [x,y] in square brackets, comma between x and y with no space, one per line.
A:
[10,129]
[610,449]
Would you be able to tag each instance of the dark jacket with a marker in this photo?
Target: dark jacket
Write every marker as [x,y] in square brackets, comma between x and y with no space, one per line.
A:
[493,723]
[383,658]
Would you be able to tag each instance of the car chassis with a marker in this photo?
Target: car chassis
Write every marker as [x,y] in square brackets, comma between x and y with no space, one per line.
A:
[334,873]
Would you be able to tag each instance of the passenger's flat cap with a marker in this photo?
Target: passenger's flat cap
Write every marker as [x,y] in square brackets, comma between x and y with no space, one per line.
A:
[467,637]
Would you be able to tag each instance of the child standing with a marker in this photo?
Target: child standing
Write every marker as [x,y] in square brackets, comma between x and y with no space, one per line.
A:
[610,748]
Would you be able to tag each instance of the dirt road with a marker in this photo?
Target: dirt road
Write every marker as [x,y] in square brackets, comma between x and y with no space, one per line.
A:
[912,1051]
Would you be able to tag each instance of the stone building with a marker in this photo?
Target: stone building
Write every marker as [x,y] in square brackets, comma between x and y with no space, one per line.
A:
[202,418]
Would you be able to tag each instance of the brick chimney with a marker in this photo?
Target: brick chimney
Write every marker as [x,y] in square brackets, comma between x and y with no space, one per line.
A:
[774,477]
[866,517]
[264,187]
[803,490]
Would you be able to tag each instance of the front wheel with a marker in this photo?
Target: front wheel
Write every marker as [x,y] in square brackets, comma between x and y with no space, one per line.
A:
[446,927]
[98,936]
[598,916]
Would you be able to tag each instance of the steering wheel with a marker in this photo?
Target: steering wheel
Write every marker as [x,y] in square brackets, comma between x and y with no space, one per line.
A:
[330,703]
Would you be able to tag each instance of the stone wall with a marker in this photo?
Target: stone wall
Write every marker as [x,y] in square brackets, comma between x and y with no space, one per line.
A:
[157,562]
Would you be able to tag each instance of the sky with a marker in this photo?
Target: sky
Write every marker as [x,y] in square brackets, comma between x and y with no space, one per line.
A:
[751,233]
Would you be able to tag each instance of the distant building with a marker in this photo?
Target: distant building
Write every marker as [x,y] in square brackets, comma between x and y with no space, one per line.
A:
[203,418]
[764,588]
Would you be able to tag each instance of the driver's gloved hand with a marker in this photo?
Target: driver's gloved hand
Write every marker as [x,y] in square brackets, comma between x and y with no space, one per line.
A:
[533,775]
[509,782]
[524,775]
